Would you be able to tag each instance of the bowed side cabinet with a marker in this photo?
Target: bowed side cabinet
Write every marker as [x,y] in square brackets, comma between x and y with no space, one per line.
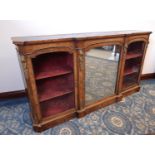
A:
[53,70]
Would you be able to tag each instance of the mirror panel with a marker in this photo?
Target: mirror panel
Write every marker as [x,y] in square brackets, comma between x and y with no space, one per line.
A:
[101,72]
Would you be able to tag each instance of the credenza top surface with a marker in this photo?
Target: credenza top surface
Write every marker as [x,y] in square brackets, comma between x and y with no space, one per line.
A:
[26,40]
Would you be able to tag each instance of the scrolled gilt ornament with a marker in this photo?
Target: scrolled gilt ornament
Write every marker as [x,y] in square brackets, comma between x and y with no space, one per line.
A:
[81,59]
[24,65]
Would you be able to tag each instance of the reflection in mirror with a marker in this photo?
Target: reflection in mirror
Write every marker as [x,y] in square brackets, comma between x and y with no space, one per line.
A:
[101,72]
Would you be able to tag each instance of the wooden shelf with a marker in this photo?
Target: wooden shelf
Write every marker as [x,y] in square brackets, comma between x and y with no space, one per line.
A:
[57,105]
[131,70]
[49,88]
[130,80]
[131,55]
[54,87]
[54,78]
[53,94]
[57,71]
[126,85]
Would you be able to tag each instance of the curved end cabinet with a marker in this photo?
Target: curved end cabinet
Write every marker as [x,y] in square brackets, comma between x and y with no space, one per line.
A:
[69,76]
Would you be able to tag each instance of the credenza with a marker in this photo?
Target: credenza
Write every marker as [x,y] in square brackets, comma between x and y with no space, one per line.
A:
[71,75]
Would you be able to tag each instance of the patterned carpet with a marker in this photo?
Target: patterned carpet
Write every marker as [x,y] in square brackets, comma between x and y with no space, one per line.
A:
[134,116]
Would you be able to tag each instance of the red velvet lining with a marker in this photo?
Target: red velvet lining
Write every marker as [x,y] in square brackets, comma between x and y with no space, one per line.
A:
[57,105]
[55,82]
[133,64]
[56,86]
[52,64]
[136,46]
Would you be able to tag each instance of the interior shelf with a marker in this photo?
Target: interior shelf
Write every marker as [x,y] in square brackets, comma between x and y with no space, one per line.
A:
[55,82]
[131,55]
[52,64]
[135,50]
[131,70]
[136,46]
[57,105]
[56,71]
[133,63]
[132,66]
[50,95]
[130,80]
[55,87]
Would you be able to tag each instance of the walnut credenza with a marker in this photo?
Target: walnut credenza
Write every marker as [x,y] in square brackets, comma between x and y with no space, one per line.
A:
[54,71]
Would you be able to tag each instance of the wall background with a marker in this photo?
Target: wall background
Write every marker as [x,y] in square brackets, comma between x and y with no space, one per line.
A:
[10,74]
[67,16]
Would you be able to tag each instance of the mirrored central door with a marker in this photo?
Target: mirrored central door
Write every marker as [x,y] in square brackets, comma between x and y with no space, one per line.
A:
[101,72]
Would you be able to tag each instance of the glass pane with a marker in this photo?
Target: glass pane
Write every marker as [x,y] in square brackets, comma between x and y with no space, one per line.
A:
[133,63]
[101,72]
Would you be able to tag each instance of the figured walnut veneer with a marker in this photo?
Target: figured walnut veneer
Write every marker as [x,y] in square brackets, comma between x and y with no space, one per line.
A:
[54,72]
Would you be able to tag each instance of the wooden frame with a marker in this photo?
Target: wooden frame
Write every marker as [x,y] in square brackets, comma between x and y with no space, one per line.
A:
[128,41]
[85,47]
[76,44]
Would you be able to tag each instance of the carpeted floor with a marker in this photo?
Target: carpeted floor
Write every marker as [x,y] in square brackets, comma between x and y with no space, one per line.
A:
[134,116]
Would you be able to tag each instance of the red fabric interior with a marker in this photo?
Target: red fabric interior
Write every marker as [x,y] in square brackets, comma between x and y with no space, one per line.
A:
[56,86]
[136,46]
[57,105]
[55,82]
[52,64]
[132,64]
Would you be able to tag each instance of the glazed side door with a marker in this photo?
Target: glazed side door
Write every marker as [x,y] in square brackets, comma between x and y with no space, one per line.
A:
[134,50]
